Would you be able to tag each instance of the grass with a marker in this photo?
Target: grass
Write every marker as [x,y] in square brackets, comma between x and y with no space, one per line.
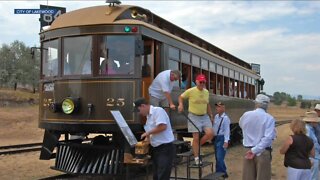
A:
[18,95]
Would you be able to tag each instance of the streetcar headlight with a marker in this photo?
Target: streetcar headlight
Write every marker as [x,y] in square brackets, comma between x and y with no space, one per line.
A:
[70,105]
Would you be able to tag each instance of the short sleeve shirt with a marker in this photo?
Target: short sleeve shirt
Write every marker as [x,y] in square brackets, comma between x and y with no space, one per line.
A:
[198,100]
[157,116]
[161,84]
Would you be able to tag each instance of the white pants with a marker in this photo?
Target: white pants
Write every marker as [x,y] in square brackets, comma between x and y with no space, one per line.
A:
[298,174]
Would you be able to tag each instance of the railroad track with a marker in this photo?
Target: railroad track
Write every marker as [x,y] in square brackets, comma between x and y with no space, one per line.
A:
[279,123]
[20,148]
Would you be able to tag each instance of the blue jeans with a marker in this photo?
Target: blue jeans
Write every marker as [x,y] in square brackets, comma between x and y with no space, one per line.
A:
[315,169]
[220,153]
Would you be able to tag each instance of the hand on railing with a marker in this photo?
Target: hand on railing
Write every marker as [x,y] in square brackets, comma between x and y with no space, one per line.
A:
[172,107]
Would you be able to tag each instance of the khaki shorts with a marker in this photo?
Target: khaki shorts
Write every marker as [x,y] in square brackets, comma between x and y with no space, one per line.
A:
[159,102]
[202,122]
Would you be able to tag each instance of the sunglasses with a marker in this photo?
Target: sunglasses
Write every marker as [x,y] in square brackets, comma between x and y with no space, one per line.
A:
[202,82]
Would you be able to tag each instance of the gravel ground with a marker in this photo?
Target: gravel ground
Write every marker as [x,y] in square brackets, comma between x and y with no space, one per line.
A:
[28,166]
[19,126]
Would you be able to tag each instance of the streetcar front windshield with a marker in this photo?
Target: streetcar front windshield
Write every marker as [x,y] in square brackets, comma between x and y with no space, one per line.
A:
[77,53]
[50,58]
[116,55]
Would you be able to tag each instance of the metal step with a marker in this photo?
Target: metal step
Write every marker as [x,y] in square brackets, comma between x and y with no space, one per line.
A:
[214,176]
[204,164]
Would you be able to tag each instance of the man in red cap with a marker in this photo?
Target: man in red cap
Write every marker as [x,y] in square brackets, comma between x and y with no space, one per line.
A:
[200,114]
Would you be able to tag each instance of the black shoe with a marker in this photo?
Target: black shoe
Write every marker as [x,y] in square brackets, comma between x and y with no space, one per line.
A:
[225,176]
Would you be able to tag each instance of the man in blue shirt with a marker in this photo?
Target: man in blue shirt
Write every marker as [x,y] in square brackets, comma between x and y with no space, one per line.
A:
[221,127]
[311,122]
[317,128]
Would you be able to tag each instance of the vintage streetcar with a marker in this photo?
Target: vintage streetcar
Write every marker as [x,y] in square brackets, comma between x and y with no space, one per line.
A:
[102,58]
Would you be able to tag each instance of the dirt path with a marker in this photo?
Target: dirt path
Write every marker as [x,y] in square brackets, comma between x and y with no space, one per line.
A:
[19,125]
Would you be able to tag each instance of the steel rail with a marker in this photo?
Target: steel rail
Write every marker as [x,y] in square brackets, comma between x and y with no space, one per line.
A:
[22,148]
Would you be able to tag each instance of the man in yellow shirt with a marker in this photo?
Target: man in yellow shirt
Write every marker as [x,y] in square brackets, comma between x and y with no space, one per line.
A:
[199,113]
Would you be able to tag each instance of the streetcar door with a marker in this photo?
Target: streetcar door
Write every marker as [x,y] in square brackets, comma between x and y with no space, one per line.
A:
[146,67]
[150,64]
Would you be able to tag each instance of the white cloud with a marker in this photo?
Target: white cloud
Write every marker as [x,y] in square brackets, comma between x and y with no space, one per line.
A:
[255,31]
[313,67]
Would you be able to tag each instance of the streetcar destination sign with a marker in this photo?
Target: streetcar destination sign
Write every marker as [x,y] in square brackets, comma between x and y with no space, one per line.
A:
[35,11]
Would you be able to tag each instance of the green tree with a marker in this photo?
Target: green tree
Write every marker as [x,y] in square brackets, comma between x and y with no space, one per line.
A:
[18,66]
[299,98]
[284,96]
[6,68]
[305,104]
[277,98]
[291,101]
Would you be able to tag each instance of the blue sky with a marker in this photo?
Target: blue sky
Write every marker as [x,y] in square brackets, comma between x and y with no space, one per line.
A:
[282,36]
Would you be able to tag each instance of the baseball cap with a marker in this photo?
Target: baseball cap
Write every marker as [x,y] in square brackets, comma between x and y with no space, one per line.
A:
[201,77]
[219,104]
[261,98]
[317,107]
[138,102]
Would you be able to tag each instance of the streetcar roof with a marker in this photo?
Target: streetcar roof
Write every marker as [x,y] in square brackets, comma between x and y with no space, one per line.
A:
[89,16]
[98,15]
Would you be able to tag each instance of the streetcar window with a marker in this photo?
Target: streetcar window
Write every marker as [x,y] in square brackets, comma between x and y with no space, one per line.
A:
[173,53]
[219,85]
[116,55]
[241,77]
[185,57]
[77,55]
[195,72]
[146,60]
[226,86]
[236,88]
[219,69]
[231,73]
[186,82]
[195,60]
[174,65]
[50,58]
[212,67]
[236,75]
[213,80]
[204,64]
[225,72]
[231,87]
[206,73]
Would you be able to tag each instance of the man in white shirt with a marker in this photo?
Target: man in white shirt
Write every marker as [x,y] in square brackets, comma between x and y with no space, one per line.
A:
[258,129]
[161,87]
[159,132]
[221,128]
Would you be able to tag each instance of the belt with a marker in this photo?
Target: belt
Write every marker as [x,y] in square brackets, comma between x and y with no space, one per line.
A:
[163,145]
[267,148]
[197,114]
